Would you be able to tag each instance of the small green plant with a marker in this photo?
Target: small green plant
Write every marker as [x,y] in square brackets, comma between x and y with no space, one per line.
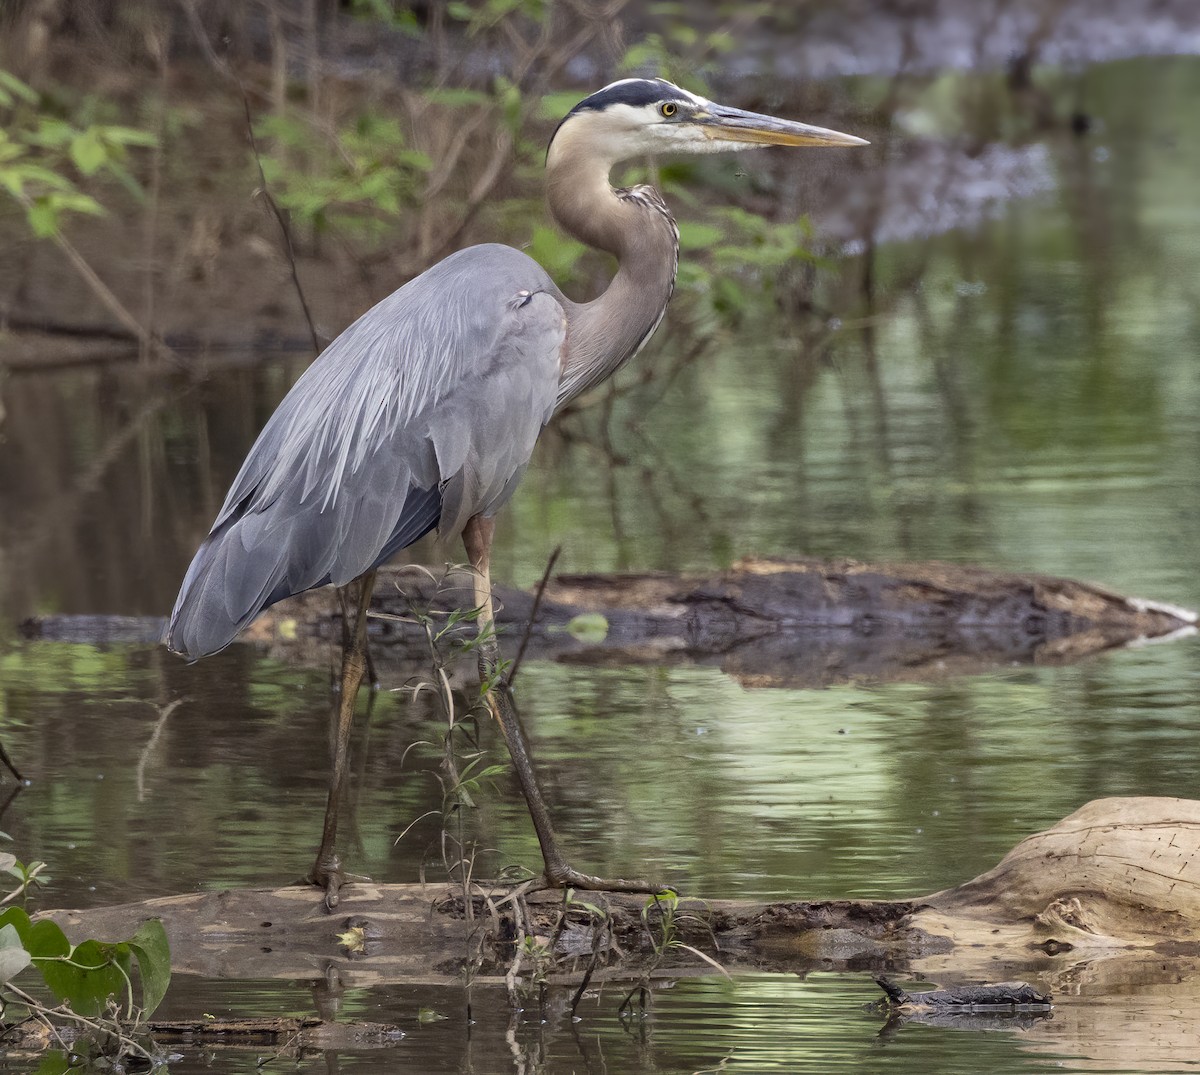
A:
[661,918]
[681,52]
[396,16]
[540,956]
[464,768]
[89,974]
[488,14]
[736,259]
[558,254]
[27,874]
[43,156]
[665,905]
[92,981]
[357,178]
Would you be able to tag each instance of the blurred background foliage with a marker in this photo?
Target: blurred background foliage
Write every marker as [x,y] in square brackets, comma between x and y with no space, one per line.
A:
[388,135]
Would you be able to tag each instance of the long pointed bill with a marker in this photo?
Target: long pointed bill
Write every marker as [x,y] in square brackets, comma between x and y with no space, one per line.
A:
[724,124]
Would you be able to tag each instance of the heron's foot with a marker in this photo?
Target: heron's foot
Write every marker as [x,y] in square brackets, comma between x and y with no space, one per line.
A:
[327,874]
[560,875]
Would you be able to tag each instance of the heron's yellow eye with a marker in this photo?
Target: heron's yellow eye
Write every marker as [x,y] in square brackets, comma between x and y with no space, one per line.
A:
[668,109]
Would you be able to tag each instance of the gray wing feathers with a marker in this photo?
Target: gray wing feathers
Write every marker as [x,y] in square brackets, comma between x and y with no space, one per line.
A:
[437,392]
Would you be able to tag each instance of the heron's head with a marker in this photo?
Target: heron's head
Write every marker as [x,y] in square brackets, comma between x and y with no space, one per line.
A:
[639,116]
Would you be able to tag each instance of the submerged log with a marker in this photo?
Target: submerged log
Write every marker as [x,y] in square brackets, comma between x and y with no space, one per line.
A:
[766,622]
[1119,877]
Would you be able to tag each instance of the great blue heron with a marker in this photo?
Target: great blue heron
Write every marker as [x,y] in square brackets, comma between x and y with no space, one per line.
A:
[424,412]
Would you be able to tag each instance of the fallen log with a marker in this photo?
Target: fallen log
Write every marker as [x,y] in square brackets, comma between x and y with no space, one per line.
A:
[1119,877]
[765,622]
[794,623]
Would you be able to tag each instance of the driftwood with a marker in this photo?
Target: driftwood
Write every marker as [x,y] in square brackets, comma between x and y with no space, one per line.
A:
[766,622]
[1118,878]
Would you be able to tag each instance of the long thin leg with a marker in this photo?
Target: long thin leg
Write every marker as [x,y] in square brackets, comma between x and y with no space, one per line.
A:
[372,676]
[559,873]
[327,870]
[9,765]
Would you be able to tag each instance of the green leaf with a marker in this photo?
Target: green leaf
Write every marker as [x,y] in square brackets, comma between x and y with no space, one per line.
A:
[88,151]
[43,218]
[37,174]
[153,952]
[556,253]
[456,97]
[46,940]
[51,133]
[590,908]
[404,21]
[126,179]
[10,150]
[94,973]
[12,962]
[19,920]
[557,105]
[79,203]
[127,136]
[13,957]
[55,1062]
[588,627]
[14,86]
[686,36]
[490,772]
[695,236]
[417,160]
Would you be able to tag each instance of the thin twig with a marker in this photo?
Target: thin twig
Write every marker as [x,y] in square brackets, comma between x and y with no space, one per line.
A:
[64,1012]
[512,975]
[597,937]
[114,305]
[284,231]
[163,715]
[193,16]
[9,765]
[537,602]
[24,885]
[153,199]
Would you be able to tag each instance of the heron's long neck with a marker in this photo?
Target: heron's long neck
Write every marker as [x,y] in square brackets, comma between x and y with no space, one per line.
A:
[635,226]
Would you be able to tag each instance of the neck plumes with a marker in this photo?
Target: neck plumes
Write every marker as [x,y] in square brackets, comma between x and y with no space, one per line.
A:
[636,227]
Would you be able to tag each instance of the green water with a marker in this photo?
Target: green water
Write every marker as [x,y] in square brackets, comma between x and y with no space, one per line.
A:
[1022,394]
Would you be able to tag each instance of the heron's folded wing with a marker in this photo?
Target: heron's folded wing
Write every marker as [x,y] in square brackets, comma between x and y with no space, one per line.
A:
[423,412]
